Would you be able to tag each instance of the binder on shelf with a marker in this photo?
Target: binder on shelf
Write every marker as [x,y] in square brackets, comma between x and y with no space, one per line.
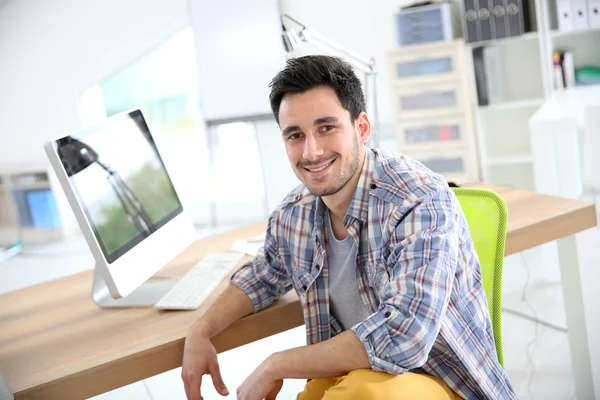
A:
[515,14]
[499,18]
[594,13]
[564,15]
[492,62]
[480,79]
[579,10]
[559,82]
[43,209]
[470,21]
[20,199]
[568,66]
[484,20]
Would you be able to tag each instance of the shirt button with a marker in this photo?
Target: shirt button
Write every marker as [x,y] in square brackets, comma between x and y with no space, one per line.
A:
[373,186]
[318,267]
[387,314]
[304,287]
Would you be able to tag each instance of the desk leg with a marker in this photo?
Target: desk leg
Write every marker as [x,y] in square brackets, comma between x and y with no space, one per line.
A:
[579,258]
[5,393]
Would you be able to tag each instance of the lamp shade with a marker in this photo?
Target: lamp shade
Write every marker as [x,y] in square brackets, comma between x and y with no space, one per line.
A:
[76,155]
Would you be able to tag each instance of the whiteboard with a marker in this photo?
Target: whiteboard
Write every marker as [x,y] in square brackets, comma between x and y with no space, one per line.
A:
[239,51]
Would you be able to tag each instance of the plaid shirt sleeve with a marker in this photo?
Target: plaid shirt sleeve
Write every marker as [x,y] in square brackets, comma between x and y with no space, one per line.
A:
[264,279]
[420,267]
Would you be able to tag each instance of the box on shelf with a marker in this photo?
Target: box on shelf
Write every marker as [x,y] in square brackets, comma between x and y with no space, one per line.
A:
[442,99]
[427,64]
[431,133]
[438,22]
[456,165]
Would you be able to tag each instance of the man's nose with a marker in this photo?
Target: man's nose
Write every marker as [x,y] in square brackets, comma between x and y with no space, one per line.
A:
[312,149]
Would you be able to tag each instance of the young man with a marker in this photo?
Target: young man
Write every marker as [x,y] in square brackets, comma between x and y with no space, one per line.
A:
[379,253]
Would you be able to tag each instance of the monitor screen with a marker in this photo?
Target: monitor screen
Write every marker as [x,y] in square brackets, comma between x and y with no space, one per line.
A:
[120,181]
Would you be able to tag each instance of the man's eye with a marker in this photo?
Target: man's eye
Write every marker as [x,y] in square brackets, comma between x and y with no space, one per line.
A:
[327,128]
[294,136]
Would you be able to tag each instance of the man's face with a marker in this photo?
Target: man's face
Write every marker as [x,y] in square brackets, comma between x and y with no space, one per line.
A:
[323,144]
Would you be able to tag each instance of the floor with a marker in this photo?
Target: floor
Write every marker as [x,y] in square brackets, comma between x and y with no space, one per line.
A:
[536,355]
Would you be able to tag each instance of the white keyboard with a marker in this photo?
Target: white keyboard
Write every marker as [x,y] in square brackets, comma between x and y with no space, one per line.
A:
[195,286]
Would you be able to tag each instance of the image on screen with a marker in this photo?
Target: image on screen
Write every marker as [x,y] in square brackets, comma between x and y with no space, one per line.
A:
[120,181]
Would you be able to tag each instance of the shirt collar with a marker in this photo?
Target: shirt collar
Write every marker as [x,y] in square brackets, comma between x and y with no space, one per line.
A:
[359,206]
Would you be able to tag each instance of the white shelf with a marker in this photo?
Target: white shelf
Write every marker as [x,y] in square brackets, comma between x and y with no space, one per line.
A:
[512,105]
[31,186]
[525,36]
[556,33]
[510,160]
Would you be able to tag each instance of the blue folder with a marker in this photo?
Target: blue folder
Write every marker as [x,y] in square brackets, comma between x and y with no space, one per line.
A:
[42,208]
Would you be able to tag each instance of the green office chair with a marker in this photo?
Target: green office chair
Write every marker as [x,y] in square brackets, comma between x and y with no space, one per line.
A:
[487,215]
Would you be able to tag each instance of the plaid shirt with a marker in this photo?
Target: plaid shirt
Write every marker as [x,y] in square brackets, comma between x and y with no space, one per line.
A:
[417,272]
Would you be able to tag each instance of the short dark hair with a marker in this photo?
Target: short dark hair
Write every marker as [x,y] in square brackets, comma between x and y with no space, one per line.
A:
[308,72]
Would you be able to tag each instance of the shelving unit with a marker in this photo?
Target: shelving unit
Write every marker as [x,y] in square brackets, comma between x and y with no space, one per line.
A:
[583,43]
[494,145]
[434,120]
[523,158]
[512,105]
[527,75]
[557,33]
[525,36]
[502,126]
[33,207]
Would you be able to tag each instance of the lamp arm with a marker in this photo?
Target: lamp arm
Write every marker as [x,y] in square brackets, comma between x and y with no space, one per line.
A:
[320,42]
[317,40]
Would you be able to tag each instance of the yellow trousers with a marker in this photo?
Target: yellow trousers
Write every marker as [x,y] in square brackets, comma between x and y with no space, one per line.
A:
[364,384]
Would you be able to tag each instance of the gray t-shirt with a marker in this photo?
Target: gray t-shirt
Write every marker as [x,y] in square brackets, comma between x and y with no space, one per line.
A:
[345,301]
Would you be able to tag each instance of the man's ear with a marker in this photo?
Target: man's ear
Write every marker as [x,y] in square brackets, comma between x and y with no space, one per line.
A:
[364,127]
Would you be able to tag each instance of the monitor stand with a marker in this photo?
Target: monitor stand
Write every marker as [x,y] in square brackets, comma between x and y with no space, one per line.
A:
[145,296]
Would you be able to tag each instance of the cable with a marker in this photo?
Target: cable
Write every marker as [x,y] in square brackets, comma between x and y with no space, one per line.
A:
[536,320]
[148,389]
[537,325]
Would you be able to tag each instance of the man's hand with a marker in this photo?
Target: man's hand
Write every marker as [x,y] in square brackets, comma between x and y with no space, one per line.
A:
[200,358]
[261,384]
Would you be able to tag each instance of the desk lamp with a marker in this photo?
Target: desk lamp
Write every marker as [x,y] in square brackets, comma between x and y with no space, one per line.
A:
[77,156]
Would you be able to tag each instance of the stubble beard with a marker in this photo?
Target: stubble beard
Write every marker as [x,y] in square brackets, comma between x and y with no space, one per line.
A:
[342,179]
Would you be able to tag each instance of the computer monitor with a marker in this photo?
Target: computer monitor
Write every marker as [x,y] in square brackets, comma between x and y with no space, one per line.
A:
[126,206]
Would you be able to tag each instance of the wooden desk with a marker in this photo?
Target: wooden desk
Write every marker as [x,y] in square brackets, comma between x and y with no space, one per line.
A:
[55,343]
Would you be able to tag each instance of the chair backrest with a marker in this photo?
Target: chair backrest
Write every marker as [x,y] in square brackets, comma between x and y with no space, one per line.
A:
[487,216]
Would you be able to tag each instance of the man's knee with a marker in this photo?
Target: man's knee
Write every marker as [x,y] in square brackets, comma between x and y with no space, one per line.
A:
[366,384]
[361,384]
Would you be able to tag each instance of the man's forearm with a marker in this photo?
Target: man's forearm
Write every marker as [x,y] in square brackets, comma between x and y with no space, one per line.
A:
[334,357]
[231,305]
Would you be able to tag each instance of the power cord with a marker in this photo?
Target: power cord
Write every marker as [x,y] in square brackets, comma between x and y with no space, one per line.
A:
[148,389]
[536,320]
[537,325]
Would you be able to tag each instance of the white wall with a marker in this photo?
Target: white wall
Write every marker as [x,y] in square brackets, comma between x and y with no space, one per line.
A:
[50,51]
[239,50]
